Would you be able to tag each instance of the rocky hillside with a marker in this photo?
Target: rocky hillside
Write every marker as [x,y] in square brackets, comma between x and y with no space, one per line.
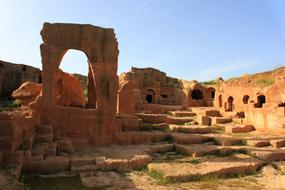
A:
[260,80]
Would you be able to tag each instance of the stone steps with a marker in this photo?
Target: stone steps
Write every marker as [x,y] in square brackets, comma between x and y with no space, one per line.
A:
[196,150]
[181,138]
[122,164]
[268,155]
[192,129]
[83,168]
[229,141]
[258,142]
[141,137]
[179,120]
[163,118]
[150,127]
[50,165]
[240,129]
[159,148]
[221,120]
[278,143]
[182,113]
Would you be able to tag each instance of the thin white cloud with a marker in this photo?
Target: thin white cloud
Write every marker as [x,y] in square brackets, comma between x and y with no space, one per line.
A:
[231,66]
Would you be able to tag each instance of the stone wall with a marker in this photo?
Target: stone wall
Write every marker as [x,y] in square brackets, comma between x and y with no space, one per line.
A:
[142,86]
[262,104]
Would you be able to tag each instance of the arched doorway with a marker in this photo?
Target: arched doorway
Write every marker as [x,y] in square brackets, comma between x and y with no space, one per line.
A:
[230,104]
[150,96]
[220,101]
[197,94]
[245,99]
[260,101]
[71,63]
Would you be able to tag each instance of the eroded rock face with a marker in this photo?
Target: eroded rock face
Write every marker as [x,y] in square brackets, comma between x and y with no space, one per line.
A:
[68,90]
[27,92]
[13,75]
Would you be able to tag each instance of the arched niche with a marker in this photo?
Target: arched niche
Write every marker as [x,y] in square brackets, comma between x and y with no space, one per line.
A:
[197,94]
[245,99]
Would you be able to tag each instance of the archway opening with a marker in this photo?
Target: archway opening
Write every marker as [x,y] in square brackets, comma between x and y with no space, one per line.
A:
[150,96]
[230,104]
[73,86]
[211,92]
[197,94]
[245,99]
[260,101]
[220,101]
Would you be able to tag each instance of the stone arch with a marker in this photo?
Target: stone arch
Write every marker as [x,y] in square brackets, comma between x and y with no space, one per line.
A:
[261,99]
[87,89]
[230,105]
[197,94]
[101,48]
[150,96]
[245,99]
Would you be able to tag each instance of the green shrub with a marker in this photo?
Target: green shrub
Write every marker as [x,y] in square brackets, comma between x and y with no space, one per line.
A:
[210,82]
[264,82]
[15,104]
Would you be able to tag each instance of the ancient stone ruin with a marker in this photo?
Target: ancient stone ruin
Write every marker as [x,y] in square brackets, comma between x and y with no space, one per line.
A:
[140,130]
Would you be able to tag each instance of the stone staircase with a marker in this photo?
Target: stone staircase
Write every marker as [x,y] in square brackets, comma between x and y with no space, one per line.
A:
[173,144]
[210,152]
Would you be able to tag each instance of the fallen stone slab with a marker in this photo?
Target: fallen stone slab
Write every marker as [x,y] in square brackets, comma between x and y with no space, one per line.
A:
[221,120]
[79,163]
[213,167]
[196,150]
[268,155]
[278,143]
[240,129]
[112,164]
[153,118]
[179,120]
[141,137]
[182,113]
[192,129]
[159,148]
[258,142]
[150,127]
[229,141]
[181,138]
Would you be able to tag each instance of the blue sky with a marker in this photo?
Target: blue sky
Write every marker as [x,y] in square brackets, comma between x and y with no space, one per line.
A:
[189,39]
